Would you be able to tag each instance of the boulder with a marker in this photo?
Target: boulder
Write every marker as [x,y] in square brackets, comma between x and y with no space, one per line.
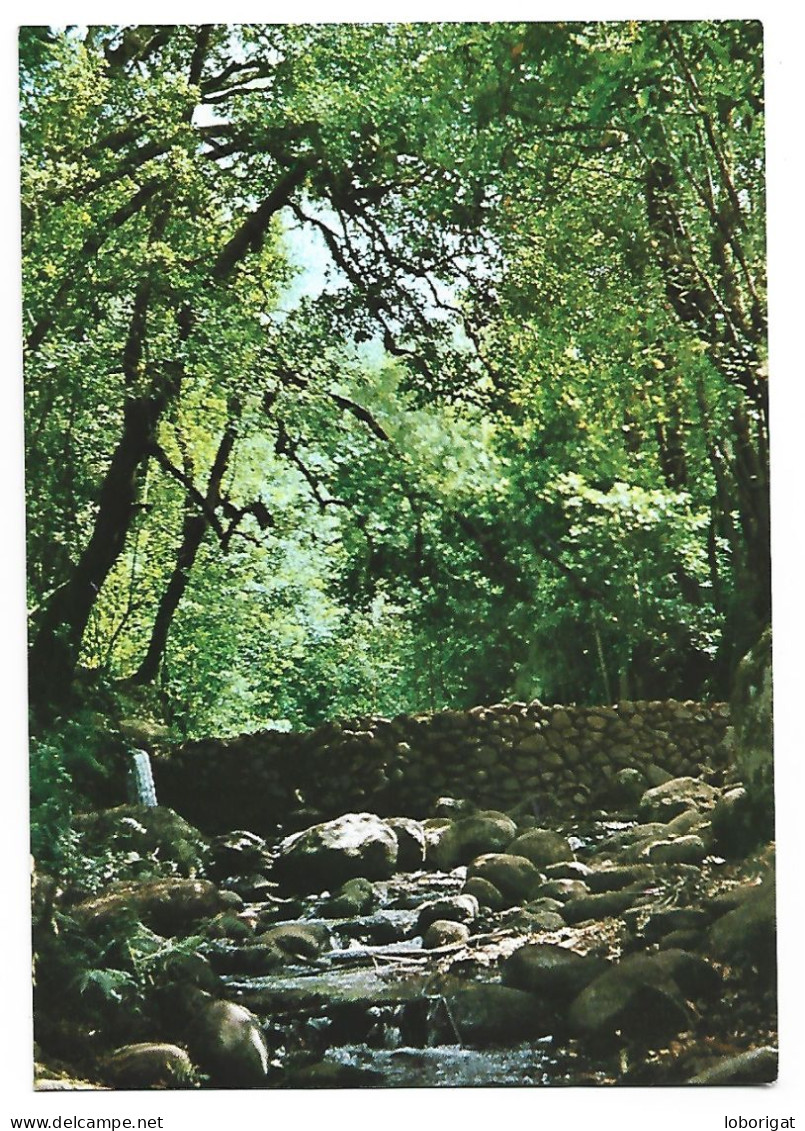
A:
[667,920]
[585,907]
[472,836]
[689,821]
[486,893]
[515,877]
[297,940]
[664,802]
[552,972]
[694,975]
[616,878]
[328,854]
[150,1065]
[355,897]
[481,1014]
[237,853]
[542,921]
[411,843]
[445,932]
[456,908]
[629,786]
[635,997]
[168,906]
[226,1042]
[151,837]
[737,823]
[757,1066]
[681,850]
[542,847]
[749,932]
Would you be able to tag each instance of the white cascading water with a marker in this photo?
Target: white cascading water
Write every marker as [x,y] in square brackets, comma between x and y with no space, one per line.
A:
[141,780]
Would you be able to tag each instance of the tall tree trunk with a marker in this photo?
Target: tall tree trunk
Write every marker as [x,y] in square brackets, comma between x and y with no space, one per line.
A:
[55,649]
[195,526]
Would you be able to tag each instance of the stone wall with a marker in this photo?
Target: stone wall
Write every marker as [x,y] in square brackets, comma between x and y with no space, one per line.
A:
[552,759]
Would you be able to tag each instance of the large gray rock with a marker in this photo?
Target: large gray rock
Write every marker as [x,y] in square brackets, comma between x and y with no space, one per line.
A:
[326,855]
[551,972]
[664,802]
[472,836]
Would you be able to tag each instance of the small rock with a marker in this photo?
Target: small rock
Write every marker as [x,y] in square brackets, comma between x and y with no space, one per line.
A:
[355,897]
[564,889]
[237,853]
[297,940]
[629,787]
[567,870]
[445,932]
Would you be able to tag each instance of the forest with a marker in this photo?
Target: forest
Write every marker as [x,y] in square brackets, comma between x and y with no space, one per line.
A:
[508,435]
[380,369]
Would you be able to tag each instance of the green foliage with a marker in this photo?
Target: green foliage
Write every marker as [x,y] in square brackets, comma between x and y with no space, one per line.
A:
[511,441]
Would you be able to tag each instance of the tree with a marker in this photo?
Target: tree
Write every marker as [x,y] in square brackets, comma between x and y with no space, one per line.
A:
[519,438]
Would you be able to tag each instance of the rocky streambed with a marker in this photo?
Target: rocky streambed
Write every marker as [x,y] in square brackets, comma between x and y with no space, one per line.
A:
[472,948]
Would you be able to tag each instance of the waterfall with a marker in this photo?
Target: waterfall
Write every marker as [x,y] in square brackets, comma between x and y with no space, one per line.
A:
[140,780]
